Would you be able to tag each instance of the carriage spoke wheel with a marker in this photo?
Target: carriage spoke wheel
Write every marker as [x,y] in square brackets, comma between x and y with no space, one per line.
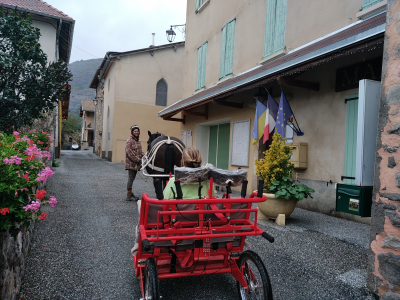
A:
[151,288]
[256,277]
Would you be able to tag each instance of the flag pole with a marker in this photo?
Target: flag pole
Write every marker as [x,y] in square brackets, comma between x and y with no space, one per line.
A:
[295,128]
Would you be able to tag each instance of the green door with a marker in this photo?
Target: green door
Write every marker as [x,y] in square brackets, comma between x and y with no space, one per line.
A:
[218,150]
[212,146]
[351,139]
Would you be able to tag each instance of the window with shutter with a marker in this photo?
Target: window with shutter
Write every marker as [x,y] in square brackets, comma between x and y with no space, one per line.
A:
[368,3]
[275,26]
[351,138]
[228,36]
[198,4]
[161,93]
[201,66]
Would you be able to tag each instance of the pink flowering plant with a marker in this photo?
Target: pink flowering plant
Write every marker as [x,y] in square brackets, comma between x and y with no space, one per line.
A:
[22,170]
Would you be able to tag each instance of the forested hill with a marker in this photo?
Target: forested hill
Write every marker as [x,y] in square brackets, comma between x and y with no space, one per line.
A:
[83,72]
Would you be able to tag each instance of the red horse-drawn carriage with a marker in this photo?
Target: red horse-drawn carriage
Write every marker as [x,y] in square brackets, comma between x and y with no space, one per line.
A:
[188,237]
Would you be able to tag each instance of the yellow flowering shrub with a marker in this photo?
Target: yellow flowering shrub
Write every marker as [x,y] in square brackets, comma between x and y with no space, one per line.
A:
[276,162]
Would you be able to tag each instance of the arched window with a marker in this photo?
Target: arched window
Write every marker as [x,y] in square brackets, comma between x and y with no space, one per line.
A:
[161,93]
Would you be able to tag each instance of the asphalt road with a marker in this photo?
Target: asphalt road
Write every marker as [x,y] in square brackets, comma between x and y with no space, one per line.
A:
[82,251]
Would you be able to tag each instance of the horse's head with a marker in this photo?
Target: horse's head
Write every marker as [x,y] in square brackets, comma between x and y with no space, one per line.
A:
[152,137]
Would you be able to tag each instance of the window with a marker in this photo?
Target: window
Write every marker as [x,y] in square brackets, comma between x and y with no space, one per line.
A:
[228,35]
[161,93]
[368,3]
[201,66]
[275,26]
[351,138]
[199,4]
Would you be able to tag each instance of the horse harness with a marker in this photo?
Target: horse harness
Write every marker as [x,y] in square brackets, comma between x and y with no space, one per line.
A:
[149,157]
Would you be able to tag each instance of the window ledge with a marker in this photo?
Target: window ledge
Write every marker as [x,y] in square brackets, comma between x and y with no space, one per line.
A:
[372,10]
[202,6]
[273,56]
[225,78]
[199,90]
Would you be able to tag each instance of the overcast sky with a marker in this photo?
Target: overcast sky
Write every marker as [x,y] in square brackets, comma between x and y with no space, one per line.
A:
[119,25]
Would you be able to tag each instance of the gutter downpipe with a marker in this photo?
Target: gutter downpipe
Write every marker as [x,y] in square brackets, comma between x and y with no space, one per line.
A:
[56,109]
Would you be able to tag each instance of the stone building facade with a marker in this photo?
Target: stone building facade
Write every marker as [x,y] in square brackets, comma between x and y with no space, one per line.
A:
[384,259]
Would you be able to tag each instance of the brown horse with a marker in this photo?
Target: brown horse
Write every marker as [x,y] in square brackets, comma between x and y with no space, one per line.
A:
[166,157]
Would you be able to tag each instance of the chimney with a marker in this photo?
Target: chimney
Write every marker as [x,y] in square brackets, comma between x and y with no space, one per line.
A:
[153,39]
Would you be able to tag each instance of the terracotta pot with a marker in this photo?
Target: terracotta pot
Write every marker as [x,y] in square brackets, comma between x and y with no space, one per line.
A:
[272,207]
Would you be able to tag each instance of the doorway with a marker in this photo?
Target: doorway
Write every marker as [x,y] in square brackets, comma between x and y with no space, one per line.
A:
[218,147]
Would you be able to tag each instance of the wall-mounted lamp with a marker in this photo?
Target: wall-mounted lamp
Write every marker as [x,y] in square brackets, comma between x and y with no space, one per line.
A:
[260,95]
[95,101]
[171,33]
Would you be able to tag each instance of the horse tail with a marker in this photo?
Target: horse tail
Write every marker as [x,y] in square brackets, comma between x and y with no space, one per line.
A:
[169,159]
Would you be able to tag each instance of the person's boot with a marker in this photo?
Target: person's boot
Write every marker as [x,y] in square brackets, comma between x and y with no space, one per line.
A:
[129,195]
[135,197]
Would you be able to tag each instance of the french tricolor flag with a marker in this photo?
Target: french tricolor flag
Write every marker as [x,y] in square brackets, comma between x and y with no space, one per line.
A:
[270,118]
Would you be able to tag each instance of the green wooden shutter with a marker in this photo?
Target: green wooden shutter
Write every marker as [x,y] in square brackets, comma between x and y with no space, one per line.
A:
[223,50]
[270,28]
[368,3]
[275,26]
[197,5]
[204,65]
[280,25]
[212,145]
[230,38]
[351,139]
[199,66]
[223,146]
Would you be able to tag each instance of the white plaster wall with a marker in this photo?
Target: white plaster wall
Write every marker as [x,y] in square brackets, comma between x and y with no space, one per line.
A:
[47,39]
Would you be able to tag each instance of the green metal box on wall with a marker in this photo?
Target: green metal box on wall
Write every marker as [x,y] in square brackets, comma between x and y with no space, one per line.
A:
[355,200]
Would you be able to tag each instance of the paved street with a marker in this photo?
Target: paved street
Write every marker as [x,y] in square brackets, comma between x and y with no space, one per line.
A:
[83,250]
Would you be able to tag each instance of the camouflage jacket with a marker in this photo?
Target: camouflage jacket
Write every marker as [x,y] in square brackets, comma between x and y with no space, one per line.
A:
[133,154]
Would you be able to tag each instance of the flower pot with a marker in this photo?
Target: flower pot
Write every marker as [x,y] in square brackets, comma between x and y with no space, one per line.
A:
[272,207]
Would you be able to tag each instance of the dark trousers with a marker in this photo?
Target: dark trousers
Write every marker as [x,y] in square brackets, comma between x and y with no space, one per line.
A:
[131,178]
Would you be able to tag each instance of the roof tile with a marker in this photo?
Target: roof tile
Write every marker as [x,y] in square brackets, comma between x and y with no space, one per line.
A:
[37,6]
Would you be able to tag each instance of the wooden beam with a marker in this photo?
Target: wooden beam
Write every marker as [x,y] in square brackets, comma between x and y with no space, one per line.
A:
[298,83]
[230,104]
[196,113]
[175,119]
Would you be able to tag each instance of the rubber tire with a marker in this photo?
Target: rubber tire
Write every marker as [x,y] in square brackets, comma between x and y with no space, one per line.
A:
[151,279]
[256,260]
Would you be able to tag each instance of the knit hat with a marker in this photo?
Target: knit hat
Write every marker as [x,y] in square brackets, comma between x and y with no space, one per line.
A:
[133,127]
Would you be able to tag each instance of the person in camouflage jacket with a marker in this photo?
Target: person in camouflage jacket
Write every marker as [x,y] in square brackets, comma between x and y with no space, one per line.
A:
[133,160]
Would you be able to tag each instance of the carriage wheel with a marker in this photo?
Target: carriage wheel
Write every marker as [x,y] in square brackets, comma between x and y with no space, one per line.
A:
[151,288]
[256,277]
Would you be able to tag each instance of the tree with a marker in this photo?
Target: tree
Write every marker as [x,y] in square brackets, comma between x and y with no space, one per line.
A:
[71,128]
[29,86]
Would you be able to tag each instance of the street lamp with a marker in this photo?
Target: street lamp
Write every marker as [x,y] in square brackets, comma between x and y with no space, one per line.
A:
[171,33]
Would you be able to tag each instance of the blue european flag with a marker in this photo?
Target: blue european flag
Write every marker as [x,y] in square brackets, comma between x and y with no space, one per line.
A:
[284,113]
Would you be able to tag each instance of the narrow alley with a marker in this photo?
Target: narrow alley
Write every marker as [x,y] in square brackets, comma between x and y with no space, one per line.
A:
[82,251]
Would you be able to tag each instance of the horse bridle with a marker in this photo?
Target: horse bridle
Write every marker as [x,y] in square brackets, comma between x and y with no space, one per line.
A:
[149,157]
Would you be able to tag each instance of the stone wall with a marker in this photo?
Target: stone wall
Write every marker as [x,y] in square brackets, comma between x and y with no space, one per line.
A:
[384,258]
[12,262]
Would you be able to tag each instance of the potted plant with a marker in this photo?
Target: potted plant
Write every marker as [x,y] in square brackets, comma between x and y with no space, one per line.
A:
[281,190]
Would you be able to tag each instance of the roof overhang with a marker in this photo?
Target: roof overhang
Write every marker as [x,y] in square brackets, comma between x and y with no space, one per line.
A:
[66,34]
[109,58]
[325,47]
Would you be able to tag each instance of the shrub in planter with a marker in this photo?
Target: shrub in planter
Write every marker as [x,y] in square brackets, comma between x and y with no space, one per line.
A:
[22,170]
[276,170]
